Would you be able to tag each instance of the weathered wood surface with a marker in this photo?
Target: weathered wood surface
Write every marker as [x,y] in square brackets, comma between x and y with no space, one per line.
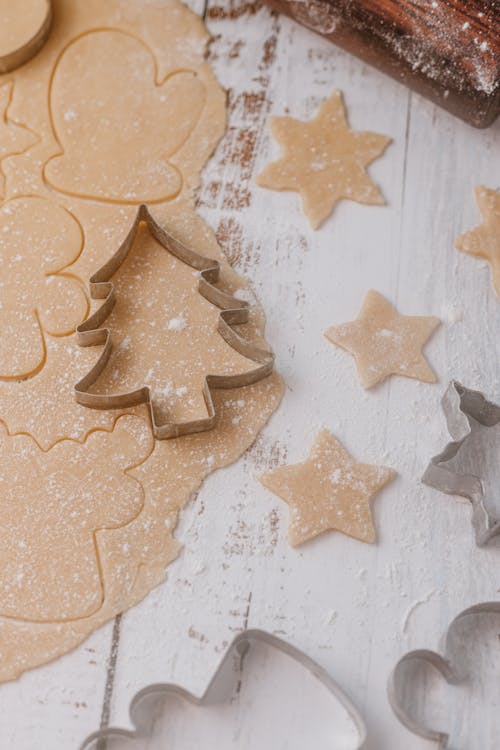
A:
[355,608]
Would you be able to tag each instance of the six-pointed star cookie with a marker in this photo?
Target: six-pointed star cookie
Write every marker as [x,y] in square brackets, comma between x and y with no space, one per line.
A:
[324,160]
[484,241]
[385,343]
[328,491]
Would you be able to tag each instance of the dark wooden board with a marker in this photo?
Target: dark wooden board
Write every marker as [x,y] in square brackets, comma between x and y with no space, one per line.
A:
[447,50]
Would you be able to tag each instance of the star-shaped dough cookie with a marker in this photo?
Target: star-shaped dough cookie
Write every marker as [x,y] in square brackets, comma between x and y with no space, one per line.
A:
[328,491]
[324,160]
[385,343]
[484,241]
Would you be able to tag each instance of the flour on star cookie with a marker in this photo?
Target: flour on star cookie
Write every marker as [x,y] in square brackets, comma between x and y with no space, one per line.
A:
[324,160]
[484,241]
[328,491]
[384,343]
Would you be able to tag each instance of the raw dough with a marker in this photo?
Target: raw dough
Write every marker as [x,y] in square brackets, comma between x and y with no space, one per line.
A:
[385,343]
[174,36]
[36,296]
[328,491]
[140,122]
[164,335]
[324,160]
[14,138]
[132,556]
[484,241]
[24,28]
[52,506]
[44,406]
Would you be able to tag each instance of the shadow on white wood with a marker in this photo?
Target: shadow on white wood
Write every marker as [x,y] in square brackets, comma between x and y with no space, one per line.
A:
[467,711]
[275,704]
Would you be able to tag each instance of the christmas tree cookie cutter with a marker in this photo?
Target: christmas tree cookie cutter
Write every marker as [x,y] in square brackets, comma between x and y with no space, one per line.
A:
[233,312]
[24,30]
[146,704]
[449,666]
[460,406]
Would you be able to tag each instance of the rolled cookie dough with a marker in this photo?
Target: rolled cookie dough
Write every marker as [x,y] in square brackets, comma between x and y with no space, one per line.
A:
[133,554]
[24,29]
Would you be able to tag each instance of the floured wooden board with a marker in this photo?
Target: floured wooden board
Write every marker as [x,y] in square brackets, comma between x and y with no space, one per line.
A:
[355,608]
[118,108]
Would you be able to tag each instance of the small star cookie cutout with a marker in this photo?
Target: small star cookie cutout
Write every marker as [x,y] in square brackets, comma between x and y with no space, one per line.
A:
[329,491]
[484,241]
[385,343]
[324,160]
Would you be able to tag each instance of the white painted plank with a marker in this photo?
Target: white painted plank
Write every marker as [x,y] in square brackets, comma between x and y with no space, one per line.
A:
[354,608]
[56,705]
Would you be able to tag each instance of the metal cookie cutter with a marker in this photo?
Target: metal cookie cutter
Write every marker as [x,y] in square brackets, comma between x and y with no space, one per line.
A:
[460,405]
[17,50]
[399,683]
[233,312]
[145,705]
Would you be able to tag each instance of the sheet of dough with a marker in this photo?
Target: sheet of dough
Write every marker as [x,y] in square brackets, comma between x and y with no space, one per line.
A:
[24,28]
[131,555]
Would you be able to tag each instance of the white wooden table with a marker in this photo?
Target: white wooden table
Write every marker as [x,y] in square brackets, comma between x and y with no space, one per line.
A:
[355,608]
